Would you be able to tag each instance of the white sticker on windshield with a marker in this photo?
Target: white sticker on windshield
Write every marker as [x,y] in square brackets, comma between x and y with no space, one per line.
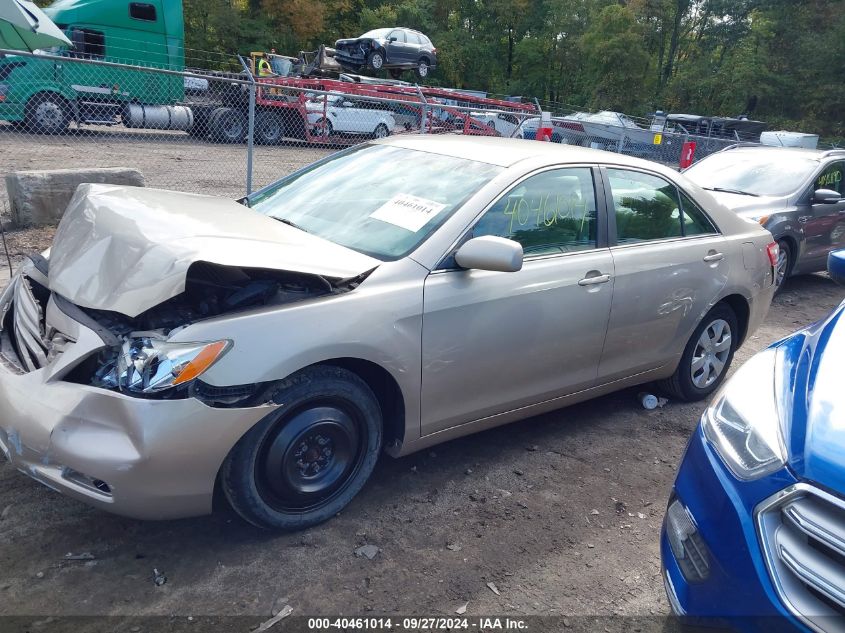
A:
[407,211]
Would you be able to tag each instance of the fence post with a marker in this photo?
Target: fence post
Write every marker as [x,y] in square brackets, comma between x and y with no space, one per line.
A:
[424,114]
[250,135]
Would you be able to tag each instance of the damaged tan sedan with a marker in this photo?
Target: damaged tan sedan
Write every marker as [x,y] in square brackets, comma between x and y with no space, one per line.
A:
[391,296]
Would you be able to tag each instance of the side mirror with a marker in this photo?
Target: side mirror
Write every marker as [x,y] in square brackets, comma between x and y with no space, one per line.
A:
[348,104]
[836,266]
[826,196]
[489,252]
[392,39]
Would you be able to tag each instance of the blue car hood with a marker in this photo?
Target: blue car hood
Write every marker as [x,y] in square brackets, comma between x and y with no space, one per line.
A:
[814,404]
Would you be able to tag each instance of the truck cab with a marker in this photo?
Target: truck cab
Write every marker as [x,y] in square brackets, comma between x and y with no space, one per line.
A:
[48,94]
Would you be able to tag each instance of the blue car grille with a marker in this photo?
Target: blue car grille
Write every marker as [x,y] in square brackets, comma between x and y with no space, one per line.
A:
[802,531]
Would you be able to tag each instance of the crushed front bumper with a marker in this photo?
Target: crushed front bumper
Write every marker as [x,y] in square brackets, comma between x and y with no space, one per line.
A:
[143,458]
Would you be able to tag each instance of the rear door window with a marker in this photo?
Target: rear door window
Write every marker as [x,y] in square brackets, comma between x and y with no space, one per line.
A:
[647,207]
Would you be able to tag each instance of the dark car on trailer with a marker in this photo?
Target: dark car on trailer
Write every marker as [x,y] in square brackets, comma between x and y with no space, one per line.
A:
[395,49]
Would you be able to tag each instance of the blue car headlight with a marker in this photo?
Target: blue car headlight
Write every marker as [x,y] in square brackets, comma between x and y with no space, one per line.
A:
[743,423]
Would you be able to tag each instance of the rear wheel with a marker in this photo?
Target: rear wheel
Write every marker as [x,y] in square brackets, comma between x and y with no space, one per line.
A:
[784,264]
[423,69]
[707,356]
[269,128]
[375,60]
[307,460]
[227,126]
[47,113]
[323,128]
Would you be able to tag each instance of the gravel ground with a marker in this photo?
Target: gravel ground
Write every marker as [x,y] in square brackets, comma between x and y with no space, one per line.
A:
[561,513]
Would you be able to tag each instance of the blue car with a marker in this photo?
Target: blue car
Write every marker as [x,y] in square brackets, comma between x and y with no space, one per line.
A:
[754,533]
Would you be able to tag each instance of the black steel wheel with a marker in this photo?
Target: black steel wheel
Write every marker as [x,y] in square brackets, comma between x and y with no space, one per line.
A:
[227,125]
[307,460]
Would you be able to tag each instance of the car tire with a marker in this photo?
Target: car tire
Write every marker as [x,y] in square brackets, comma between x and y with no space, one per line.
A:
[375,60]
[47,113]
[381,131]
[269,128]
[395,73]
[703,354]
[318,128]
[786,260]
[303,463]
[423,68]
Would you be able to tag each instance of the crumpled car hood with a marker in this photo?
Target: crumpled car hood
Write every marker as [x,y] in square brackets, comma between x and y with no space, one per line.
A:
[128,249]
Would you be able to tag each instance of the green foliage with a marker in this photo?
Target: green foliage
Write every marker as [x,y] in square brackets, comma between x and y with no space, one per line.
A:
[776,60]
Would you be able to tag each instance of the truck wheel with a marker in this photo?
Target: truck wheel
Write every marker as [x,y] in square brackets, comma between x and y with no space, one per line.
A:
[375,60]
[47,113]
[269,128]
[304,462]
[423,68]
[227,126]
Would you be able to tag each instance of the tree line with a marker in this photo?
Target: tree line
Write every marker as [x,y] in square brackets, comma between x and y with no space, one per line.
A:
[781,61]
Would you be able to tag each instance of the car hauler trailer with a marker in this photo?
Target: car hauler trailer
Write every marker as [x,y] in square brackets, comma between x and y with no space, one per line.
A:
[126,68]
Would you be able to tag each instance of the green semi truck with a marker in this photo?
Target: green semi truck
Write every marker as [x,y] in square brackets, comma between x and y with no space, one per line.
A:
[46,94]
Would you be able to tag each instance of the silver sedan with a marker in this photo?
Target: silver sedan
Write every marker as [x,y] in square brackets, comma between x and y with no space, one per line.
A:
[392,296]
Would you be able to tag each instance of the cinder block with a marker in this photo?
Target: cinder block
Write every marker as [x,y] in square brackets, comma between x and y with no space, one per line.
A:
[39,198]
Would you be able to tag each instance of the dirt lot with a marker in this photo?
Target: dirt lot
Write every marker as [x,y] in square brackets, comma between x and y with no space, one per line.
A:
[561,512]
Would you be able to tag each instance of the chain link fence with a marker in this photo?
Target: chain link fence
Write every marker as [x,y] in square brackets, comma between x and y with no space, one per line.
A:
[227,132]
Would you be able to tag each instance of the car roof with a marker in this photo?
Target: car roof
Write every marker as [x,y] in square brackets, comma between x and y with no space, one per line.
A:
[506,152]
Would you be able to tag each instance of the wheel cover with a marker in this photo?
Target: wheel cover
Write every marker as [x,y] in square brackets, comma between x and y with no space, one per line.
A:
[423,69]
[310,457]
[48,115]
[377,61]
[381,132]
[782,266]
[710,357]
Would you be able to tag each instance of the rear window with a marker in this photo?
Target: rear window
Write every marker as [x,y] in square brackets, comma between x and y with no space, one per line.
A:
[758,173]
[142,11]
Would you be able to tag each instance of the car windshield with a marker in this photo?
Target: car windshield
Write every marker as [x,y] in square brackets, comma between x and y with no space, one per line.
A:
[376,199]
[377,33]
[758,174]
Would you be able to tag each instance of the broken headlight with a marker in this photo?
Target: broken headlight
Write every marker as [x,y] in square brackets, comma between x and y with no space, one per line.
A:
[150,365]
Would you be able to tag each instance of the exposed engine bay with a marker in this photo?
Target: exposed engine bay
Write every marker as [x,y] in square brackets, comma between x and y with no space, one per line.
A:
[137,357]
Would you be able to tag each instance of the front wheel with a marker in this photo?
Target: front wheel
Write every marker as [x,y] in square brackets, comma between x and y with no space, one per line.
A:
[381,131]
[784,264]
[307,460]
[47,113]
[707,356]
[375,60]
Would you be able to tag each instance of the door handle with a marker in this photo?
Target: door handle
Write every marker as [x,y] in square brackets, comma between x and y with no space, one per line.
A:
[591,281]
[714,257]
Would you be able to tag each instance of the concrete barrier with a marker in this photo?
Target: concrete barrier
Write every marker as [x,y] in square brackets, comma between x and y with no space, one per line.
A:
[39,198]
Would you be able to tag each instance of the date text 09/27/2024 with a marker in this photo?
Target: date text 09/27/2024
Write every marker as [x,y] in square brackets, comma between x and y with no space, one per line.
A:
[480,624]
